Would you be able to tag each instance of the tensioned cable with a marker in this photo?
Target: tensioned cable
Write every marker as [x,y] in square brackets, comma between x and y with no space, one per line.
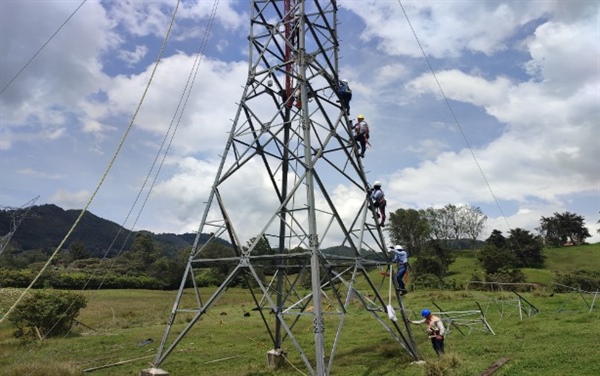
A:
[41,48]
[454,117]
[108,168]
[187,89]
[182,104]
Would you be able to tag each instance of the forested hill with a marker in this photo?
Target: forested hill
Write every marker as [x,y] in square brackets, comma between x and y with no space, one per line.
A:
[46,225]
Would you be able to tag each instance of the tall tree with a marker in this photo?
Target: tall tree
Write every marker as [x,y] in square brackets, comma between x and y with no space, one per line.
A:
[496,239]
[474,223]
[440,230]
[263,248]
[456,220]
[169,269]
[452,223]
[216,272]
[77,251]
[410,228]
[526,248]
[496,254]
[143,251]
[493,258]
[562,228]
[434,259]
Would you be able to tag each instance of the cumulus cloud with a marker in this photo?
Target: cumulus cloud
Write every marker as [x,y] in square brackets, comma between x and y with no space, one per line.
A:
[523,94]
[133,57]
[549,136]
[49,89]
[69,199]
[445,29]
[153,18]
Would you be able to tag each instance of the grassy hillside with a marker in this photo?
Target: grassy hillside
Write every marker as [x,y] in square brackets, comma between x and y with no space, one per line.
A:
[226,342]
[583,257]
[125,326]
[586,257]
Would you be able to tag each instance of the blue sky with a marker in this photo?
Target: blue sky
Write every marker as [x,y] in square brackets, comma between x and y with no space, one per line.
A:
[522,79]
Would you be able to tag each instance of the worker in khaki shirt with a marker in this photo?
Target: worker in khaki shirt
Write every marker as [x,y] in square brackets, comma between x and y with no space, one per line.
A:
[435,329]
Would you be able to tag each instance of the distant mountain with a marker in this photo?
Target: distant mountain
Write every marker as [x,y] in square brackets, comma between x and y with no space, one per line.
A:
[46,225]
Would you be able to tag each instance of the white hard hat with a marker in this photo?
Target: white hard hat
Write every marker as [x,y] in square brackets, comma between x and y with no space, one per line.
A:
[377,183]
[398,247]
[345,81]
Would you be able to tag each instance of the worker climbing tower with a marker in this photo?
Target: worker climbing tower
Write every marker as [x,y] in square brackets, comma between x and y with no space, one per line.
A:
[290,176]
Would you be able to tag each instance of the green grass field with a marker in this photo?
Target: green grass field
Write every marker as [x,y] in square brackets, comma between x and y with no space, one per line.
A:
[559,340]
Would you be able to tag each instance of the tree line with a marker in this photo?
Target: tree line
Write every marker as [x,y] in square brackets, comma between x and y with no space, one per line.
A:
[458,226]
[431,237]
[432,234]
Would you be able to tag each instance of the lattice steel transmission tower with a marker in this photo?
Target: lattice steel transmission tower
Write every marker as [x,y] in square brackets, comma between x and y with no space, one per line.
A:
[16,216]
[291,137]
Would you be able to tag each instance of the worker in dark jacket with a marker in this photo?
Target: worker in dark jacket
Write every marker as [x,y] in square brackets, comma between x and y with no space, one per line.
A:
[377,198]
[345,95]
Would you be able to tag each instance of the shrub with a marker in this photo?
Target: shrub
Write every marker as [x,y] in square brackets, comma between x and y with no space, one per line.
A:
[586,280]
[46,313]
[507,275]
[428,281]
[16,278]
[207,277]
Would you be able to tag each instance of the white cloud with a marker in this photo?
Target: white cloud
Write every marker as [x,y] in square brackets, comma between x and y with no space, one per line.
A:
[429,148]
[49,89]
[42,174]
[563,56]
[70,200]
[445,29]
[133,57]
[153,18]
[525,93]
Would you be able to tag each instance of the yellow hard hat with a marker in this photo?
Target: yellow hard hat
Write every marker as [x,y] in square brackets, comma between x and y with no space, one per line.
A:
[361,116]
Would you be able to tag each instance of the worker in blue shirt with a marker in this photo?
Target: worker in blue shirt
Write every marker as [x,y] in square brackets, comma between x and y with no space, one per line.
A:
[400,258]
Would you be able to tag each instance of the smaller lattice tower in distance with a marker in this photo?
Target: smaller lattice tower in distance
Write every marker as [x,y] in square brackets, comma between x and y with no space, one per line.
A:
[16,217]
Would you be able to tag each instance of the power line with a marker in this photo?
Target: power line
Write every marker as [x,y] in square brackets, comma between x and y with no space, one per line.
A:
[108,168]
[455,118]
[42,47]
